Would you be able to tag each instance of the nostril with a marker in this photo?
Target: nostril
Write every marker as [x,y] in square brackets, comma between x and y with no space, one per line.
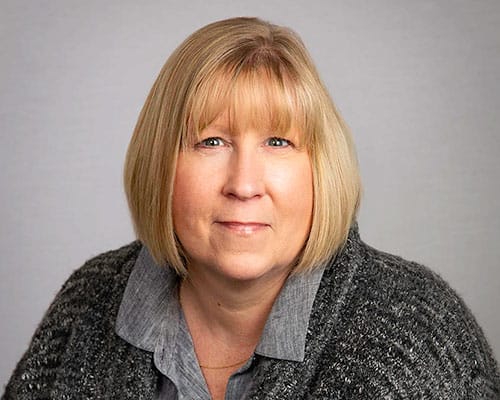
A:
[243,191]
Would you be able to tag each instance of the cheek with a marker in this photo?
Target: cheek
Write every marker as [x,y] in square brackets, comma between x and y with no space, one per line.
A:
[304,198]
[294,186]
[194,189]
[181,200]
[185,194]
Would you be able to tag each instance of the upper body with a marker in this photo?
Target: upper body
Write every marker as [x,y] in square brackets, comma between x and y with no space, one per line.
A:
[380,327]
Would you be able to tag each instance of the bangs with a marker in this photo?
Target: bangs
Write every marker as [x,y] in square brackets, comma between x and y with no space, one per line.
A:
[260,98]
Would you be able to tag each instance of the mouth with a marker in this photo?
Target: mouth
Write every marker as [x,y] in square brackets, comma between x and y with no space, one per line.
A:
[243,228]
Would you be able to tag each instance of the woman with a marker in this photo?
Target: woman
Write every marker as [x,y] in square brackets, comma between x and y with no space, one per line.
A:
[249,279]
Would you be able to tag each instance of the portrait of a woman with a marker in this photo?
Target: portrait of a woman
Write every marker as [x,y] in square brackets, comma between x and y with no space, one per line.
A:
[248,278]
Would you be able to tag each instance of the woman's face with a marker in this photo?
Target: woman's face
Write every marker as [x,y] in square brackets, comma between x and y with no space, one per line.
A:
[242,203]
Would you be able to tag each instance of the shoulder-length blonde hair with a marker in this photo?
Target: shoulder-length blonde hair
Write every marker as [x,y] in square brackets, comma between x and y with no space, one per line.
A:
[258,72]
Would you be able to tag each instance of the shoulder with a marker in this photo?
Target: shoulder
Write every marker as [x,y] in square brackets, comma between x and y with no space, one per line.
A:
[400,325]
[110,263]
[387,280]
[96,287]
[102,272]
[413,298]
[81,315]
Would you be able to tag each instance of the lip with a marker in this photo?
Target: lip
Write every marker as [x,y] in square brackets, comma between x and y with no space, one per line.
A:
[243,228]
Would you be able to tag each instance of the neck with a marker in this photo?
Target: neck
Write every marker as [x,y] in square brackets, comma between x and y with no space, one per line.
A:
[232,311]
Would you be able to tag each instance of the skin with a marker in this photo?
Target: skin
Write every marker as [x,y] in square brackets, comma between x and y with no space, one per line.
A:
[242,207]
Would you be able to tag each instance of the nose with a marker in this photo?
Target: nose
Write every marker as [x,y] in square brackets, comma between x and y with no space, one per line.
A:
[245,175]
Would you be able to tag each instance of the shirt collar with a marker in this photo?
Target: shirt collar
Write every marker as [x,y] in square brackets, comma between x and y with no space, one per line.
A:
[150,291]
[145,302]
[284,335]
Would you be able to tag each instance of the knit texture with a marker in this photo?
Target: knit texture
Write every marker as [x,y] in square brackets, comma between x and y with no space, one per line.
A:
[381,328]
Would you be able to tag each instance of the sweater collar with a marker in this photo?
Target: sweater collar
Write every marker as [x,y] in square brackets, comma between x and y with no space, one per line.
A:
[151,294]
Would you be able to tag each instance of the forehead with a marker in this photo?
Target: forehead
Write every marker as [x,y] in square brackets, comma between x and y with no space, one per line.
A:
[224,125]
[255,99]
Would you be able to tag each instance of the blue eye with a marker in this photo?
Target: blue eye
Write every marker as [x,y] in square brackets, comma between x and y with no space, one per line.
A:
[278,142]
[211,142]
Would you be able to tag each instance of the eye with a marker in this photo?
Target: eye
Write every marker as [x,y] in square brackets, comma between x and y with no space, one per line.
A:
[211,142]
[278,142]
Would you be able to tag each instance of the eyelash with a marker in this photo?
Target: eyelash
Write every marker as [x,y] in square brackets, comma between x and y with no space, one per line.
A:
[209,142]
[205,142]
[286,142]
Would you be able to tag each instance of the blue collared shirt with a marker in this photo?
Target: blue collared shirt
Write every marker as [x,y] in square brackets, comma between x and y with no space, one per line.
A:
[150,318]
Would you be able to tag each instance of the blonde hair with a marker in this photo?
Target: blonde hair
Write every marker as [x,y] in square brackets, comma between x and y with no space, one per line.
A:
[257,72]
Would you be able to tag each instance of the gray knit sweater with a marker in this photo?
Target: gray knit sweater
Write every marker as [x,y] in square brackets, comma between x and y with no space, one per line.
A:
[381,328]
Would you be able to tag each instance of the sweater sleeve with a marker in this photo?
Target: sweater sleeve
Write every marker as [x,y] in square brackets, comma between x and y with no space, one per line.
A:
[420,338]
[38,370]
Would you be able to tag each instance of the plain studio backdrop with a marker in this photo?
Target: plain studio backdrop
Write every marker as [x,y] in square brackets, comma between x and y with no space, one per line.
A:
[418,83]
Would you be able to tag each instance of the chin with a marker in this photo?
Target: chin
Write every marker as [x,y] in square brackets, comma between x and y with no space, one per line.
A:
[250,269]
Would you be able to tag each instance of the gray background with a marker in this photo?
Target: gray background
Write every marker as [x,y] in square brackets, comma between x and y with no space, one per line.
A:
[418,82]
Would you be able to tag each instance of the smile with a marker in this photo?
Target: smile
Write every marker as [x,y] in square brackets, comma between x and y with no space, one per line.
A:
[243,228]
